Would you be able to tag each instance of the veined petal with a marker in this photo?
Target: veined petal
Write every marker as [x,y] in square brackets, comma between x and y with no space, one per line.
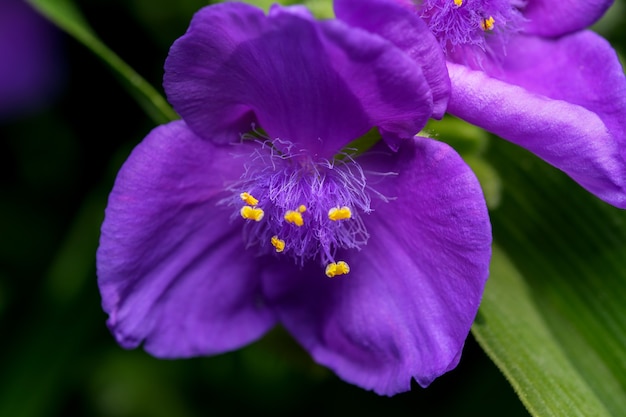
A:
[557,18]
[172,268]
[407,304]
[402,27]
[562,99]
[318,85]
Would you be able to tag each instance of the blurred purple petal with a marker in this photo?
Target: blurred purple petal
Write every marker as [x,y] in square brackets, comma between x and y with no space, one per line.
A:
[557,18]
[171,263]
[29,63]
[412,293]
[562,99]
[527,72]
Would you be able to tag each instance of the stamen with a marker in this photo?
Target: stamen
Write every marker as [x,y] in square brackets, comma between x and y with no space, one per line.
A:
[251,213]
[466,29]
[278,244]
[487,24]
[248,199]
[294,217]
[339,213]
[292,194]
[339,268]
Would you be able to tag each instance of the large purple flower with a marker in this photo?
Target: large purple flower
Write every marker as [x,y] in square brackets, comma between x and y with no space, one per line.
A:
[526,71]
[232,220]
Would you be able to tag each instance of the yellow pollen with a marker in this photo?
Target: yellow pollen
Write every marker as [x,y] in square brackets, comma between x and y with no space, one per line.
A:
[339,268]
[251,213]
[339,213]
[294,217]
[248,199]
[279,244]
[487,24]
[458,3]
[302,208]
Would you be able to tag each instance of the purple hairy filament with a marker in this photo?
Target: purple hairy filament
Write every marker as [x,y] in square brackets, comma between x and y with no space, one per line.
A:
[297,207]
[457,23]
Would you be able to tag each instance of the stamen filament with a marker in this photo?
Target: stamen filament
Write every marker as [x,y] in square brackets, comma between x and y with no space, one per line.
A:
[292,195]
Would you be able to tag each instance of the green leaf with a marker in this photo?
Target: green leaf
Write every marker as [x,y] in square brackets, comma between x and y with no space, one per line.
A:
[553,317]
[322,9]
[65,15]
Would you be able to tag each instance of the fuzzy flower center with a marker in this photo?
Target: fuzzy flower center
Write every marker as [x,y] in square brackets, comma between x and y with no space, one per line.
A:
[471,22]
[296,207]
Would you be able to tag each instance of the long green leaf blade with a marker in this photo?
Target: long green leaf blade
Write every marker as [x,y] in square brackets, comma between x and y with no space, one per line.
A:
[511,329]
[553,317]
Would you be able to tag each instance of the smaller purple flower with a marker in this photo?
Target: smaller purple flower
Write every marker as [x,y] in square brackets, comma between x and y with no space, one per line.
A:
[528,72]
[472,24]
[234,219]
[29,66]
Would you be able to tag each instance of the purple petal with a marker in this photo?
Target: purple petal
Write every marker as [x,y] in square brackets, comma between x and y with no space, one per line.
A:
[564,100]
[172,268]
[318,85]
[30,70]
[408,32]
[406,307]
[556,18]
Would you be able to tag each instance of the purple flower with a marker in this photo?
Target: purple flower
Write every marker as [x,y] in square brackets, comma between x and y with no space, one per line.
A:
[528,72]
[29,67]
[226,223]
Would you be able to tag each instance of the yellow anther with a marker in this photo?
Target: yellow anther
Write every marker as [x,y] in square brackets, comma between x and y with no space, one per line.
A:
[248,199]
[302,208]
[339,213]
[278,244]
[251,213]
[487,24]
[458,3]
[339,268]
[294,217]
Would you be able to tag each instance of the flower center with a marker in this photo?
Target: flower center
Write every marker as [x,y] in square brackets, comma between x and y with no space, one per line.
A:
[296,207]
[457,23]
